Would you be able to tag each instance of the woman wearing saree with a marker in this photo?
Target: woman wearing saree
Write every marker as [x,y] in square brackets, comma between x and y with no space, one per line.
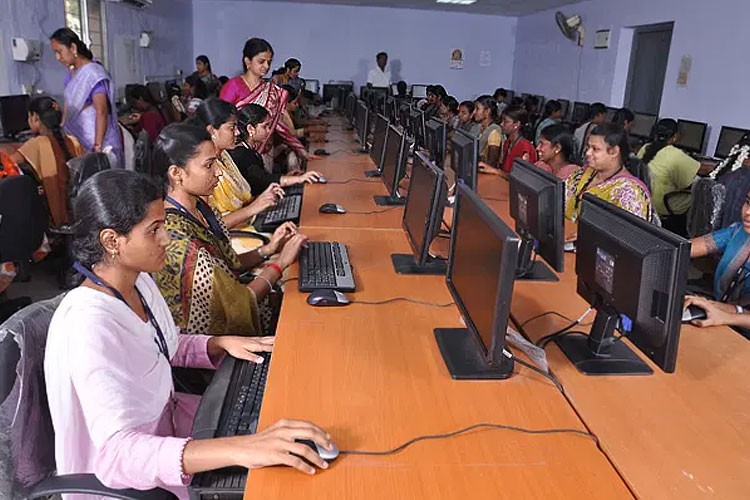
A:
[200,280]
[249,88]
[89,113]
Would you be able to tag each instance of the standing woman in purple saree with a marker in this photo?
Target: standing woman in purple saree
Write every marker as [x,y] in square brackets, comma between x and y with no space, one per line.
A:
[89,112]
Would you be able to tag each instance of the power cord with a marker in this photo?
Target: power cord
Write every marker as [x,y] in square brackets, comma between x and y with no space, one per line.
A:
[542,342]
[398,299]
[555,313]
[375,211]
[354,180]
[344,151]
[494,199]
[483,425]
[518,360]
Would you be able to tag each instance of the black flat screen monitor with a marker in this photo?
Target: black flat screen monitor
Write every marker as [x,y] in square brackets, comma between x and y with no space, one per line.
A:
[481,271]
[14,114]
[565,105]
[378,141]
[465,157]
[391,110]
[362,124]
[728,138]
[157,91]
[692,136]
[537,200]
[580,112]
[509,96]
[435,140]
[404,109]
[394,166]
[417,127]
[611,112]
[634,273]
[423,215]
[419,91]
[312,86]
[643,124]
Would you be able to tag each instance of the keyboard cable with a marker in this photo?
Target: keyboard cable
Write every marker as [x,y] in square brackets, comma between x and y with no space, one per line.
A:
[397,299]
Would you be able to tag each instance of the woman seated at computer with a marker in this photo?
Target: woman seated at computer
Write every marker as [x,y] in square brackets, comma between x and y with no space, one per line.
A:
[730,173]
[200,281]
[556,151]
[48,153]
[254,128]
[672,170]
[232,196]
[466,118]
[490,133]
[607,176]
[551,116]
[109,352]
[147,114]
[204,72]
[516,146]
[257,56]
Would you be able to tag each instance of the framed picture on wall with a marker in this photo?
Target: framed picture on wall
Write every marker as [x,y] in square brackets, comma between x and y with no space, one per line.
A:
[457,59]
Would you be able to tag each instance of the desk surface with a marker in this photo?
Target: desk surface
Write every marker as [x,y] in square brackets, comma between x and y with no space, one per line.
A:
[374,378]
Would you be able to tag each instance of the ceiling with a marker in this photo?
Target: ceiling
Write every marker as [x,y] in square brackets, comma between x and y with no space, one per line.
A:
[497,7]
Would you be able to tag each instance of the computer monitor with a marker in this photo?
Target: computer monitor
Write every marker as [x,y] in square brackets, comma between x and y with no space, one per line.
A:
[378,145]
[611,112]
[418,132]
[537,204]
[419,91]
[350,107]
[634,273]
[403,114]
[423,215]
[509,96]
[394,89]
[312,86]
[643,124]
[14,114]
[435,140]
[580,112]
[481,270]
[362,124]
[525,96]
[541,101]
[565,105]
[158,91]
[391,110]
[692,136]
[465,157]
[728,137]
[329,92]
[394,167]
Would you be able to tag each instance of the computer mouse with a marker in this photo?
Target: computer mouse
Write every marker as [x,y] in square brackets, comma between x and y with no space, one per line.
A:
[327,455]
[327,298]
[322,152]
[331,208]
[570,246]
[321,180]
[693,313]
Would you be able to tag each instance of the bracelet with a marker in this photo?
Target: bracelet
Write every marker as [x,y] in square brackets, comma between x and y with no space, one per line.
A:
[262,255]
[270,286]
[739,309]
[277,267]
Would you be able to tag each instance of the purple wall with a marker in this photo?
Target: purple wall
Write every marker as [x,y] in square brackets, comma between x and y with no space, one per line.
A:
[713,33]
[340,42]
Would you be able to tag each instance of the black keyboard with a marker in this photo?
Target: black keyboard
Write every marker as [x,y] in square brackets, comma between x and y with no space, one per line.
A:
[229,407]
[297,189]
[287,209]
[325,264]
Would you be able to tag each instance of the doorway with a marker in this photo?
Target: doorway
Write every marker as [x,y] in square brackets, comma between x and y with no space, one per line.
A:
[648,67]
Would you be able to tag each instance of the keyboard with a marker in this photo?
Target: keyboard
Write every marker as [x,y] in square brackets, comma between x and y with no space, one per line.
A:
[325,264]
[287,209]
[229,407]
[297,189]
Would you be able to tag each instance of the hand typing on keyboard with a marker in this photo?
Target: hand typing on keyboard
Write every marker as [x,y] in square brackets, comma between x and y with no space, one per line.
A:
[291,250]
[240,347]
[280,237]
[266,199]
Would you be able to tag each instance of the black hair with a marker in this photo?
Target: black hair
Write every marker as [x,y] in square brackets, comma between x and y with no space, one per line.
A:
[402,88]
[551,107]
[382,54]
[253,47]
[114,199]
[292,63]
[664,130]
[623,115]
[68,37]
[50,115]
[198,86]
[252,114]
[597,109]
[451,103]
[141,92]
[468,104]
[490,103]
[173,89]
[516,101]
[614,135]
[560,135]
[279,71]
[430,89]
[176,145]
[439,91]
[215,112]
[517,114]
[204,60]
[293,93]
[223,79]
[500,93]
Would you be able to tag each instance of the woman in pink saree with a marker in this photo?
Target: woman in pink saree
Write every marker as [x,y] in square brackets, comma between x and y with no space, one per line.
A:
[89,114]
[250,88]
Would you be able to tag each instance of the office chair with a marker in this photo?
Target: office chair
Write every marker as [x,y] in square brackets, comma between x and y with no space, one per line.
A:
[142,154]
[128,148]
[705,213]
[31,436]
[677,223]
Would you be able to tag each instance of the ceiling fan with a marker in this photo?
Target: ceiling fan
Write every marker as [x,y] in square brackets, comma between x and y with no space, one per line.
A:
[571,27]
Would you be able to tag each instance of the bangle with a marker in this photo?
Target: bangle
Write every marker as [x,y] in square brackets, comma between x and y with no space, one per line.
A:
[277,267]
[739,309]
[270,286]
[262,255]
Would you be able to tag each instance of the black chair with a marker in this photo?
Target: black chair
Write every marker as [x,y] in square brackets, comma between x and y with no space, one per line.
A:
[677,223]
[142,154]
[705,214]
[28,328]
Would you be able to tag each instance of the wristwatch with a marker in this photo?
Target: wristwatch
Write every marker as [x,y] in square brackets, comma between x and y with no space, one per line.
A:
[739,309]
[260,252]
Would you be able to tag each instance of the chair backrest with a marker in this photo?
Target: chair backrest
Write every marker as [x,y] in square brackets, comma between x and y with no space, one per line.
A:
[142,153]
[704,215]
[128,148]
[82,168]
[32,442]
[23,218]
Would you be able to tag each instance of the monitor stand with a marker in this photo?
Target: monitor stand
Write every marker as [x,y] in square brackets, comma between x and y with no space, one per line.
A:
[405,263]
[361,151]
[535,271]
[372,173]
[599,353]
[463,358]
[389,201]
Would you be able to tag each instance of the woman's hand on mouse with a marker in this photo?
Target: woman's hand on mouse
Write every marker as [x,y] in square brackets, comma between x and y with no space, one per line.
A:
[280,237]
[717,313]
[240,347]
[276,445]
[291,250]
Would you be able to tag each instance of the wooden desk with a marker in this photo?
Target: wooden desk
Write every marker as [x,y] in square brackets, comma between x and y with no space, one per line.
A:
[680,435]
[374,378]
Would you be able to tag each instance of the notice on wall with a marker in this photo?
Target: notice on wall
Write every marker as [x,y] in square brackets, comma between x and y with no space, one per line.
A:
[457,59]
[485,58]
[686,63]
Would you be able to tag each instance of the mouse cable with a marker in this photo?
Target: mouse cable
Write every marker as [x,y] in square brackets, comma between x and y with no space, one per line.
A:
[344,151]
[554,380]
[494,199]
[542,342]
[375,211]
[397,299]
[483,425]
[353,180]
[284,282]
[541,315]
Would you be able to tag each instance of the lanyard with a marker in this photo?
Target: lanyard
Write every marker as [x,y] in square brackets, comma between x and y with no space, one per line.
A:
[160,341]
[737,281]
[579,194]
[507,151]
[213,223]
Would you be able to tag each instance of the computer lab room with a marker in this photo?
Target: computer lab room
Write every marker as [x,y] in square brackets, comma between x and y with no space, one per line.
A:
[374,249]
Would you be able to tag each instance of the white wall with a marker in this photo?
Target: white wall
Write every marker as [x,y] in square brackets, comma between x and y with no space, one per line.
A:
[340,42]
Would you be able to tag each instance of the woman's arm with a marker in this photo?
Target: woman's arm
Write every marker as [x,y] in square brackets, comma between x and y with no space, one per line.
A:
[101,105]
[702,246]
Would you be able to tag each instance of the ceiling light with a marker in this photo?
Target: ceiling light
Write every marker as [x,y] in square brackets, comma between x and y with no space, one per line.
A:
[458,2]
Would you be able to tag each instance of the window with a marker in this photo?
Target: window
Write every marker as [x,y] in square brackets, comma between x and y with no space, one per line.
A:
[86,18]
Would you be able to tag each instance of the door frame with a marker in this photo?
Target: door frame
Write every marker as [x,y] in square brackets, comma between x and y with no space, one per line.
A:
[637,30]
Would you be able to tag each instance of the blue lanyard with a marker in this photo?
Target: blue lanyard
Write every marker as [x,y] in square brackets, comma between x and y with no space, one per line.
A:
[160,341]
[206,212]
